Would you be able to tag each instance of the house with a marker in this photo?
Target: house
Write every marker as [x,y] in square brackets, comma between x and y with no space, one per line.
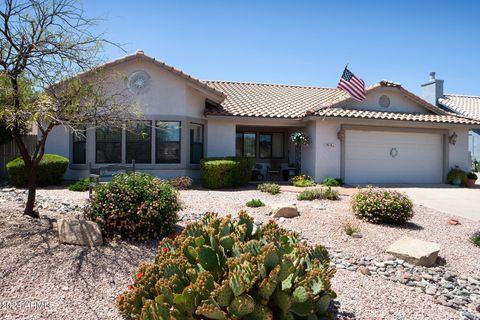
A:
[469,106]
[394,136]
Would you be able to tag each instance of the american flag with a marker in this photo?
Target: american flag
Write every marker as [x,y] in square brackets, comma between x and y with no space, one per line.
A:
[353,85]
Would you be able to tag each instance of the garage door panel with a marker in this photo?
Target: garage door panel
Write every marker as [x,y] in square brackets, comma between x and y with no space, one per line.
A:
[368,159]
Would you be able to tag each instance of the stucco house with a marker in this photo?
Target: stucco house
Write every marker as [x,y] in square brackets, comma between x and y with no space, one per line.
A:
[394,136]
[468,106]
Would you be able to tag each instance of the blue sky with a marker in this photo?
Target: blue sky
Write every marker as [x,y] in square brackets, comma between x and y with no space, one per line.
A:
[302,42]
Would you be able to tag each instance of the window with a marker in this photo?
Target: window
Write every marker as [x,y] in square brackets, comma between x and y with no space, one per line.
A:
[246,144]
[167,139]
[108,145]
[139,142]
[196,142]
[271,145]
[79,139]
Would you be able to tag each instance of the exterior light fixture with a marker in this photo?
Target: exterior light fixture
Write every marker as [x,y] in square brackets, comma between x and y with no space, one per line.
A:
[453,138]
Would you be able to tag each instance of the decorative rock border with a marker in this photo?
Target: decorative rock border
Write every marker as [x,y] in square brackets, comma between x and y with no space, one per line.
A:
[42,202]
[460,292]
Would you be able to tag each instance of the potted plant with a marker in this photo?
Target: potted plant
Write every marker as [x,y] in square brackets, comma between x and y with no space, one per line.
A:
[456,176]
[471,178]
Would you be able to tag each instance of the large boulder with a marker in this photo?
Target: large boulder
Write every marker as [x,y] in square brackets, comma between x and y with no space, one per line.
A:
[79,232]
[415,251]
[284,210]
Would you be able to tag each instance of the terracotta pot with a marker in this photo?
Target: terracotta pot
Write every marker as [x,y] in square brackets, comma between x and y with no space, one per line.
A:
[471,183]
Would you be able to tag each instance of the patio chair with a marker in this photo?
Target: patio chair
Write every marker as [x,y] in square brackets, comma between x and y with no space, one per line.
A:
[274,170]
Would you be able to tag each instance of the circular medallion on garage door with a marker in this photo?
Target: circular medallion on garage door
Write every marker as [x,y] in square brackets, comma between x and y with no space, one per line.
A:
[384,101]
[139,82]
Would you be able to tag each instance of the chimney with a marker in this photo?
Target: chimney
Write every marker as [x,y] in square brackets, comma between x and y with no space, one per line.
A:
[432,89]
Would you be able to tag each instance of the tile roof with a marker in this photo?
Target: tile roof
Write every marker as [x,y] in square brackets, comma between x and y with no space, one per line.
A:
[337,112]
[466,105]
[140,55]
[271,100]
[387,84]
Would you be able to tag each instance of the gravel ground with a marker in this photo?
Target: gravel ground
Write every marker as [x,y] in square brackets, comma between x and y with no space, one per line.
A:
[82,283]
[322,222]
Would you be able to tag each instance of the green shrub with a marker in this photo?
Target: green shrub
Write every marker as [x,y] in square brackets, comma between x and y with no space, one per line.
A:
[220,173]
[472,176]
[80,185]
[181,183]
[332,182]
[455,174]
[476,239]
[135,206]
[255,203]
[312,194]
[50,171]
[218,268]
[309,194]
[382,206]
[303,181]
[271,188]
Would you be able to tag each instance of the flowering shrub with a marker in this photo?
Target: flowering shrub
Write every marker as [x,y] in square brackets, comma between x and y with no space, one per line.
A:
[181,183]
[312,194]
[303,181]
[135,206]
[224,268]
[382,206]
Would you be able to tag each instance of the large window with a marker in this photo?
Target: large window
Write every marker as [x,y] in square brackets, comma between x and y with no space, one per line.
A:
[139,142]
[196,142]
[271,145]
[79,140]
[167,140]
[108,145]
[246,144]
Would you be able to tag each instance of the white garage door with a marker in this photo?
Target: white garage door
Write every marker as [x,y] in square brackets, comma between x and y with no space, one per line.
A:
[393,157]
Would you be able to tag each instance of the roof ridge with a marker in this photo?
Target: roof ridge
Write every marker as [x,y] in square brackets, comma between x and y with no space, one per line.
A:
[268,84]
[461,95]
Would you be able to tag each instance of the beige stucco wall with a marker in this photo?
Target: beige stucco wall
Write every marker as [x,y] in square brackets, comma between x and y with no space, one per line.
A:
[398,102]
[169,98]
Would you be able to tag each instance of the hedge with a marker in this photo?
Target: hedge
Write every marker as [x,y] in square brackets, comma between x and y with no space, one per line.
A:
[50,171]
[229,172]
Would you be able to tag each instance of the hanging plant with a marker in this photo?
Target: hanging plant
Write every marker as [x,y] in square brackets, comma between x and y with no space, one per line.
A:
[299,139]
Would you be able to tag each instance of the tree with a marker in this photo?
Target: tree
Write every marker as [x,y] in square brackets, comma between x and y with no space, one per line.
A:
[48,77]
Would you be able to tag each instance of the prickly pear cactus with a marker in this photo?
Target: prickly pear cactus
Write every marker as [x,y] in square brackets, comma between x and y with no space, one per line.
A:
[222,268]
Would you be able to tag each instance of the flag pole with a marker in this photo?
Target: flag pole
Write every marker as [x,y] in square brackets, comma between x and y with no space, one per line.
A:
[347,65]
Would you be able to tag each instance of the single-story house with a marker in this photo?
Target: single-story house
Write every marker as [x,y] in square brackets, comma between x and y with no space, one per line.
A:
[394,136]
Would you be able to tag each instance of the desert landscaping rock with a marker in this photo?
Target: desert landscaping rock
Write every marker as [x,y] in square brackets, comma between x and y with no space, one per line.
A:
[415,251]
[284,211]
[79,232]
[35,265]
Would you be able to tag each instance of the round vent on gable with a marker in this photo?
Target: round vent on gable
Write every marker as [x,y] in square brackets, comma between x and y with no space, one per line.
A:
[384,101]
[139,82]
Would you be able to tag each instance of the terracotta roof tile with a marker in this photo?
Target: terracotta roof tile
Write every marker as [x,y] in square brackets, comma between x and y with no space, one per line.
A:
[336,112]
[271,100]
[466,105]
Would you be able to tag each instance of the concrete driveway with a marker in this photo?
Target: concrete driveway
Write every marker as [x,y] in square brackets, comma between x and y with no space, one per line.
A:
[452,200]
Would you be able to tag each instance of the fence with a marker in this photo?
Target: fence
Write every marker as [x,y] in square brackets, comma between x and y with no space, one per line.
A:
[9,151]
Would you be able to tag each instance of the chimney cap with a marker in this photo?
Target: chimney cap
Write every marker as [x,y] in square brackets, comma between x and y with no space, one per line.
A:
[139,52]
[432,75]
